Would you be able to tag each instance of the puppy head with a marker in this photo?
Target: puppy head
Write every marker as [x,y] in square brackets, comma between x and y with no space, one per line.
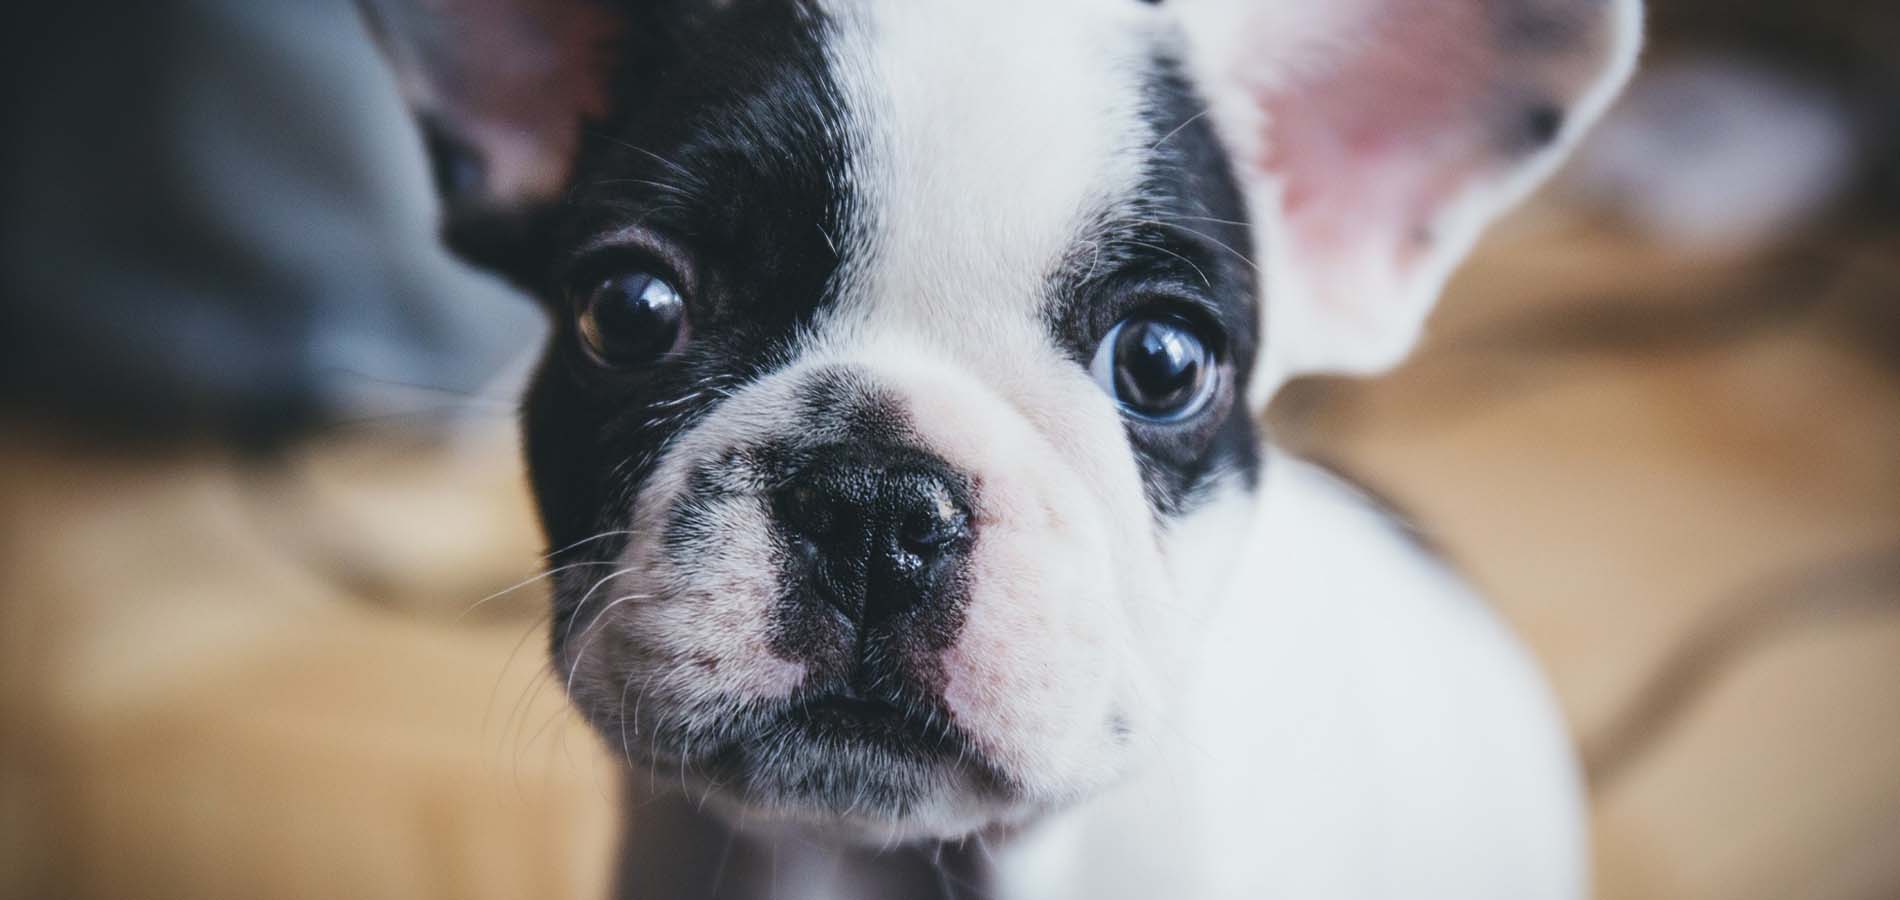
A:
[898,422]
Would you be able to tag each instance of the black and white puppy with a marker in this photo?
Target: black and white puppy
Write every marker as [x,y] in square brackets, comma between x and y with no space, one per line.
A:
[898,439]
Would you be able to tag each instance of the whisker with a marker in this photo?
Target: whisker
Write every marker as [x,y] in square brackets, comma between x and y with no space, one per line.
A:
[495,691]
[581,651]
[669,189]
[1160,249]
[626,746]
[524,706]
[1095,259]
[983,847]
[567,633]
[686,749]
[943,875]
[585,540]
[1213,219]
[680,400]
[561,711]
[1208,238]
[1180,128]
[519,585]
[682,170]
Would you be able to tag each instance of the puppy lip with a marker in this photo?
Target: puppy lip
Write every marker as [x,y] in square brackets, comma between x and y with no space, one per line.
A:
[848,706]
[833,722]
[851,715]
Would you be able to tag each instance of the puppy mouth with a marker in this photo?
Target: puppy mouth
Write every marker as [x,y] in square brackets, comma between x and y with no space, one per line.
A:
[846,756]
[843,725]
[849,720]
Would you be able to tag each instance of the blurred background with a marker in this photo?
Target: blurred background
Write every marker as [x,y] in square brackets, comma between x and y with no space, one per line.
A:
[268,623]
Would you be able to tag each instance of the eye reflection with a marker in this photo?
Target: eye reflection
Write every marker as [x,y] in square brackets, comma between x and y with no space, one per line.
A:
[632,319]
[1157,367]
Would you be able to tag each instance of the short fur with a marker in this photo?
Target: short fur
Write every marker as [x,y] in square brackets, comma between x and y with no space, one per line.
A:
[1145,655]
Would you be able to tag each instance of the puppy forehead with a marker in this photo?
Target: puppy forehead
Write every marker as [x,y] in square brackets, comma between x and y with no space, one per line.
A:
[987,136]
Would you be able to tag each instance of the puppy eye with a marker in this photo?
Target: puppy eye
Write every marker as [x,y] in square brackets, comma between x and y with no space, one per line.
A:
[1157,367]
[632,319]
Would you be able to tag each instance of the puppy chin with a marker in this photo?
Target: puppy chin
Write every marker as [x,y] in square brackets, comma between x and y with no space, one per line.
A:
[870,802]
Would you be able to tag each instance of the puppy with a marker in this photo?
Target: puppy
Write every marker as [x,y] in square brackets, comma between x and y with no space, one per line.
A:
[914,532]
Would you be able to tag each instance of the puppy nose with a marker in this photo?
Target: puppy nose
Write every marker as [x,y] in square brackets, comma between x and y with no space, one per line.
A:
[883,529]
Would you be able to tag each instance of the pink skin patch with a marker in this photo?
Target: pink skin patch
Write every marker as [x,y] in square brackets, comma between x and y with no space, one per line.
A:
[1033,674]
[1372,148]
[1026,679]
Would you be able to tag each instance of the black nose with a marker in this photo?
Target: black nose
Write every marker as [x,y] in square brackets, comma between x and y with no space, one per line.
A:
[882,530]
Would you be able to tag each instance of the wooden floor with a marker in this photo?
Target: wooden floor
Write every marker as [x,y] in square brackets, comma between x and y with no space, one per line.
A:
[1680,480]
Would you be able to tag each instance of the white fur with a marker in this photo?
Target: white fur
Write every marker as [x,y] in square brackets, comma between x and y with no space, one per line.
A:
[1363,727]
[974,182]
[1358,726]
[1317,709]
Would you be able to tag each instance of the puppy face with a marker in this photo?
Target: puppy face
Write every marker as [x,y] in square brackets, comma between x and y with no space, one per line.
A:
[897,426]
[940,369]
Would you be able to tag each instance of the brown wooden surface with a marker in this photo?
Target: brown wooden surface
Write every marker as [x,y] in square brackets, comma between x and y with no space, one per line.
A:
[225,681]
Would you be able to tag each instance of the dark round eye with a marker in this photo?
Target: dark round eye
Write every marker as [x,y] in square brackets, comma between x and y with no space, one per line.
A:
[1157,367]
[632,319]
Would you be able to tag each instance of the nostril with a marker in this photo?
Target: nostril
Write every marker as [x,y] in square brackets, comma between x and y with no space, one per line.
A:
[932,523]
[864,513]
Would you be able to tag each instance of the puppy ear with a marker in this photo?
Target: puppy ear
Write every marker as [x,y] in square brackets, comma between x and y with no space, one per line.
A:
[501,90]
[1377,138]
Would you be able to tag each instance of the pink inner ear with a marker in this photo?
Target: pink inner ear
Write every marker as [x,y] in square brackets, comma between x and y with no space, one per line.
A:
[519,77]
[1372,147]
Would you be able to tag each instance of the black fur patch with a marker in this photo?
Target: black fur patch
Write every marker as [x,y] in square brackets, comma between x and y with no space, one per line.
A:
[726,160]
[1180,243]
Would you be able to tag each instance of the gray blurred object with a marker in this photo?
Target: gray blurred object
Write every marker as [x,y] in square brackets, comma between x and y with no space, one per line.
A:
[1754,123]
[1847,48]
[1714,152]
[218,220]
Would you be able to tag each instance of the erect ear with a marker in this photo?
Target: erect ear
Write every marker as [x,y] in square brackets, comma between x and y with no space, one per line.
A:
[502,90]
[1377,138]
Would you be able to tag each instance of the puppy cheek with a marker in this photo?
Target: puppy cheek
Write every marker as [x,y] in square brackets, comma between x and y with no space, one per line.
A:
[1044,671]
[692,639]
[1032,677]
[714,614]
